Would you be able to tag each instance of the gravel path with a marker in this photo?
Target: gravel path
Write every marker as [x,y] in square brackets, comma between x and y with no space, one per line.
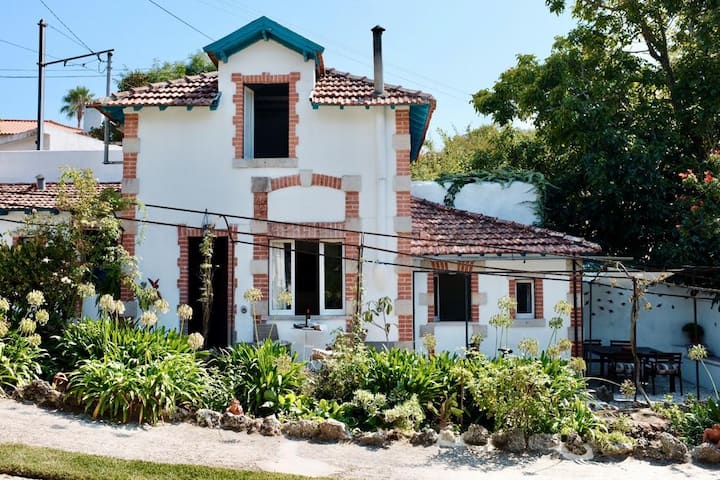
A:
[185,443]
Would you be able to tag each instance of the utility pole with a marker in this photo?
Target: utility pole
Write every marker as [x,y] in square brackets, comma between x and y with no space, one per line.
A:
[41,84]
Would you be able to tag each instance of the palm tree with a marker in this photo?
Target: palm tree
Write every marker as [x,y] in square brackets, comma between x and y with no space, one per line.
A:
[75,101]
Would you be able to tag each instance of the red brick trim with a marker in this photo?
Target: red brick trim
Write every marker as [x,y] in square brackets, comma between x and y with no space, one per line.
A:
[474,288]
[183,281]
[239,99]
[576,315]
[538,298]
[431,297]
[402,208]
[132,123]
[309,230]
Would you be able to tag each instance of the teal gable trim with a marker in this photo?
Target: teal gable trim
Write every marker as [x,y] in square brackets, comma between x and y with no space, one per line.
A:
[216,102]
[418,121]
[115,113]
[263,29]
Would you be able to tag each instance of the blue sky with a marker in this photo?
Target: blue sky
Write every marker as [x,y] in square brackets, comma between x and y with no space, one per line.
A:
[449,49]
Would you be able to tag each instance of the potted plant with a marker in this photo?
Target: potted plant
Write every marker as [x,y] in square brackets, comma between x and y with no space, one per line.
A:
[694,332]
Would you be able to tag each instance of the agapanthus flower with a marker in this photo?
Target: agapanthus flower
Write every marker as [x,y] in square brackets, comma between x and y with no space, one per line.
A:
[185,312]
[4,305]
[697,352]
[119,307]
[196,341]
[86,290]
[107,303]
[35,298]
[148,319]
[528,346]
[161,305]
[27,326]
[42,316]
[35,340]
[253,295]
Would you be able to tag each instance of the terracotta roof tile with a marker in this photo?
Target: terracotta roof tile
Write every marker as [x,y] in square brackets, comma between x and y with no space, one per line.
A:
[340,88]
[439,230]
[197,90]
[13,127]
[331,88]
[23,196]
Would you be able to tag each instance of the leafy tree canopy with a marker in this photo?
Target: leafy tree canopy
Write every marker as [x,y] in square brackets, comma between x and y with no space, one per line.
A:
[624,103]
[160,72]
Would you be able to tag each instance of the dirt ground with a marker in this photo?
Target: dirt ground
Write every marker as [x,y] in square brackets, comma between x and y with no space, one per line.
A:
[186,443]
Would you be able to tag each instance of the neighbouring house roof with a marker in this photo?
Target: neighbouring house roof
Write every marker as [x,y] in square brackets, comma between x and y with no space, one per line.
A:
[27,197]
[15,127]
[439,230]
[263,29]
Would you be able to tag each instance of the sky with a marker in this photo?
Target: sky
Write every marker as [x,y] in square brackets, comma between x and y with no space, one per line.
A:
[449,49]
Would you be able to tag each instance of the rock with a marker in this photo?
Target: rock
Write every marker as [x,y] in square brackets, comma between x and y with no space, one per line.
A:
[712,435]
[230,421]
[181,414]
[575,444]
[254,425]
[651,450]
[512,441]
[425,438]
[208,418]
[672,448]
[543,442]
[604,394]
[448,439]
[371,439]
[333,431]
[41,393]
[476,435]
[270,426]
[706,453]
[300,429]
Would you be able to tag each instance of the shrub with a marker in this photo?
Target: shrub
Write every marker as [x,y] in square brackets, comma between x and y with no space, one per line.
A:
[531,395]
[146,392]
[688,421]
[19,361]
[258,376]
[340,375]
[99,339]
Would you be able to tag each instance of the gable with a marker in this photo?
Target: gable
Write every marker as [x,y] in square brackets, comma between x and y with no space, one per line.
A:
[263,29]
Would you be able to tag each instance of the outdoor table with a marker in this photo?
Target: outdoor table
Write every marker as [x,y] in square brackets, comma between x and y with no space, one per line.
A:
[611,354]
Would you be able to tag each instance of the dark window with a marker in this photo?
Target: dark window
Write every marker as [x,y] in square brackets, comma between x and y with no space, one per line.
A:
[270,124]
[524,296]
[452,297]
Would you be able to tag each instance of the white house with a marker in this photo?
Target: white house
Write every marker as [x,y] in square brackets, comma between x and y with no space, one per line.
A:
[22,135]
[303,170]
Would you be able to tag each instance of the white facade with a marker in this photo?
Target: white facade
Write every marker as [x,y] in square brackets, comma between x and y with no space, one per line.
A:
[55,137]
[24,166]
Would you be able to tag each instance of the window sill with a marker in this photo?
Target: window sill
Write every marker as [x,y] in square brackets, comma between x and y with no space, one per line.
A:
[528,323]
[301,318]
[265,163]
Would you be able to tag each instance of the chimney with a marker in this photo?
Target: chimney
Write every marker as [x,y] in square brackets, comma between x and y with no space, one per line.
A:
[377,61]
[40,182]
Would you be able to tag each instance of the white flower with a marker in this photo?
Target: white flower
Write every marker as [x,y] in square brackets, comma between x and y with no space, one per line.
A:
[196,341]
[35,298]
[107,303]
[45,260]
[119,307]
[42,316]
[27,326]
[563,307]
[507,304]
[34,340]
[161,305]
[66,281]
[253,295]
[4,305]
[86,290]
[185,312]
[148,319]
[285,297]
[697,352]
[4,327]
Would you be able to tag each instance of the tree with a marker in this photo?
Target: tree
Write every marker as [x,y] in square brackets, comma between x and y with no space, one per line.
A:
[625,102]
[160,72]
[74,103]
[485,148]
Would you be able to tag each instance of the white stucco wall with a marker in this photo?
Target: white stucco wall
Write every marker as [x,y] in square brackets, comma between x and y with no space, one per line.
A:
[515,202]
[450,336]
[186,160]
[23,166]
[54,138]
[607,317]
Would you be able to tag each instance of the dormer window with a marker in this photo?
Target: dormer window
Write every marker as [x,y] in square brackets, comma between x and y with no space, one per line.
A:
[266,120]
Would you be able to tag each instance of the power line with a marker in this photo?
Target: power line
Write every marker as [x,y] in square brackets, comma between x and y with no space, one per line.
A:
[64,25]
[65,35]
[180,20]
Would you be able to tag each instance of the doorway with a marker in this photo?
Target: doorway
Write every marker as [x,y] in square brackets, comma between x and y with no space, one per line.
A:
[219,326]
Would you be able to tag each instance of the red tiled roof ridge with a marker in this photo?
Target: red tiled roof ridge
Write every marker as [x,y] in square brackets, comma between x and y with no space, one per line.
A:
[490,235]
[370,81]
[32,124]
[171,82]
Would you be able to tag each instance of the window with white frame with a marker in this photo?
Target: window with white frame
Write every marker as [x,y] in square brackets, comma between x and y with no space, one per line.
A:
[525,297]
[311,274]
[266,121]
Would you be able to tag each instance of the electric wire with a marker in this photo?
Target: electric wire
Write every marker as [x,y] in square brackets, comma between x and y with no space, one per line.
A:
[66,27]
[181,20]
